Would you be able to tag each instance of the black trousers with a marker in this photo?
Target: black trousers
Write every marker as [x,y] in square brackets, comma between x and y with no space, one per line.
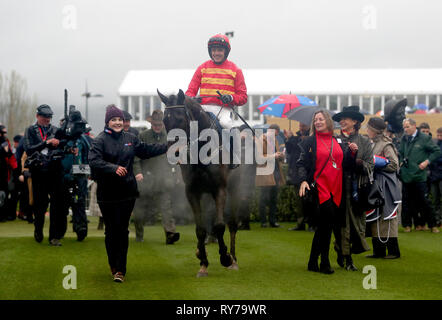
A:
[269,198]
[327,221]
[116,217]
[45,185]
[415,200]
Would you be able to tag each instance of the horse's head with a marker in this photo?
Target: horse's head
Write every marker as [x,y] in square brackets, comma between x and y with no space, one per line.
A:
[180,110]
[175,116]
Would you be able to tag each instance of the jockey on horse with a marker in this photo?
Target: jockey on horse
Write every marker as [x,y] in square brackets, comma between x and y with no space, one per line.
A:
[220,83]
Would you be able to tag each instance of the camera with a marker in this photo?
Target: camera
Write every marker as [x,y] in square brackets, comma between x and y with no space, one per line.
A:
[72,125]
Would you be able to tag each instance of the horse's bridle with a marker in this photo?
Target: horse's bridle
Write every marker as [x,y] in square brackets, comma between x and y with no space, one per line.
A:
[189,115]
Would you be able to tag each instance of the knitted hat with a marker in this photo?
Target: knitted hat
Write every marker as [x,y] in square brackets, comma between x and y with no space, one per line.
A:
[377,124]
[111,112]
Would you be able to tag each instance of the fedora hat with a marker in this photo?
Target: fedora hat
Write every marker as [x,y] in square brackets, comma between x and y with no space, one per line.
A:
[351,112]
[157,116]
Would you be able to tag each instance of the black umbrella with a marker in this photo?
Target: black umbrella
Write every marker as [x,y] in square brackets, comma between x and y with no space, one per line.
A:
[304,114]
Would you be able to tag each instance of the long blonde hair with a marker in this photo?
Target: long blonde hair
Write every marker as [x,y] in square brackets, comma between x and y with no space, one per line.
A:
[328,121]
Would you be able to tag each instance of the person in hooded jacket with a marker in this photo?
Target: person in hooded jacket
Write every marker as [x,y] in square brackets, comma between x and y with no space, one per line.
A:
[111,160]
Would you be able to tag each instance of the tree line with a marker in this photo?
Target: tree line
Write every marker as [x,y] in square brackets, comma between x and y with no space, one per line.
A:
[17,107]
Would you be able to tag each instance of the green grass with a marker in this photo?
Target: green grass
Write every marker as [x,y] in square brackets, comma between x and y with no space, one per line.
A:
[272,265]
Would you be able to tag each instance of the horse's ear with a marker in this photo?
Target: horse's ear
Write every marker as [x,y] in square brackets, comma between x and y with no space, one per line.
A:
[181,97]
[163,97]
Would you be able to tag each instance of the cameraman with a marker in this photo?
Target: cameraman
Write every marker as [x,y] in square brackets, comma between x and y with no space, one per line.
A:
[75,165]
[44,155]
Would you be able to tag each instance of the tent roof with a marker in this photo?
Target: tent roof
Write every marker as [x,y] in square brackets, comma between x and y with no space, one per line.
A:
[297,81]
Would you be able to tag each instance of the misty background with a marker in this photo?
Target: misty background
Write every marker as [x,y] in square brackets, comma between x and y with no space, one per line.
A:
[62,44]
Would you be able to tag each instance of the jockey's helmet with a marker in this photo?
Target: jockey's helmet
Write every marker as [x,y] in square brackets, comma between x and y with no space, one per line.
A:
[220,41]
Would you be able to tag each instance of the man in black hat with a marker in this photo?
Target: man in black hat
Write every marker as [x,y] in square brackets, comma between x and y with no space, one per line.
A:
[352,236]
[44,163]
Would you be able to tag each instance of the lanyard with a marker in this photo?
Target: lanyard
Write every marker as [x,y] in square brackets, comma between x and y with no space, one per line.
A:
[41,134]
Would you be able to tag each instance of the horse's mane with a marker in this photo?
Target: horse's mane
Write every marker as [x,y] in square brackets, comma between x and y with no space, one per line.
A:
[196,110]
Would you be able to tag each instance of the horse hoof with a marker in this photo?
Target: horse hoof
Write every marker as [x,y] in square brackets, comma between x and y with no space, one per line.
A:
[226,260]
[233,266]
[202,273]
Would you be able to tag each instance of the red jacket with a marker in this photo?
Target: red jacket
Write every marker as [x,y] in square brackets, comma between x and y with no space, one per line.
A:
[226,78]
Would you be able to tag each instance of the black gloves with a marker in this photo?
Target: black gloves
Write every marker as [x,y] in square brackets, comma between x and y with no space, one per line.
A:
[226,98]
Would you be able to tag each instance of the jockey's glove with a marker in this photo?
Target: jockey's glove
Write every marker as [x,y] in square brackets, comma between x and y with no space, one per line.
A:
[226,98]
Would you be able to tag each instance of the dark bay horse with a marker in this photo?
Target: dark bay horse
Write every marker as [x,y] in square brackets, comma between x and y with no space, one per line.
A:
[203,178]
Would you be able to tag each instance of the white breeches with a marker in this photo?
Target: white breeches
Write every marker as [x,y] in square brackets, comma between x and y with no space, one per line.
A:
[224,116]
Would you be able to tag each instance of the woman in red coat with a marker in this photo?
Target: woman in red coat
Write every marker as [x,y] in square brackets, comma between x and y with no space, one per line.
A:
[321,163]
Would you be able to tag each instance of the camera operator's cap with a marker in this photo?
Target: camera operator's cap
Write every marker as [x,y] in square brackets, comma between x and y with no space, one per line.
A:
[45,111]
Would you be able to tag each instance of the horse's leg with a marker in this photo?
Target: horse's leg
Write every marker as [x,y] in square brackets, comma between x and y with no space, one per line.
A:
[220,227]
[233,228]
[201,232]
